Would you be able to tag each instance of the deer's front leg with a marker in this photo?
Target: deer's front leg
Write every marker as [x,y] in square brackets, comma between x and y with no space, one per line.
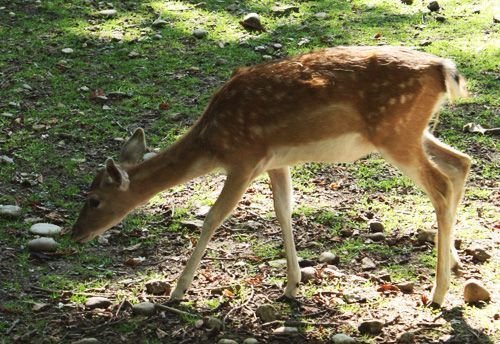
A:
[234,187]
[282,194]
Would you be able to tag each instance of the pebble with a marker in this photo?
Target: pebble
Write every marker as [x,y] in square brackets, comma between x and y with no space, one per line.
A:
[67,51]
[266,313]
[42,244]
[214,324]
[133,54]
[285,330]
[329,258]
[424,236]
[376,226]
[250,341]
[89,340]
[376,236]
[496,18]
[11,211]
[149,155]
[368,264]
[226,341]
[98,302]
[406,338]
[345,232]
[6,160]
[373,327]
[45,229]
[192,224]
[433,6]
[144,308]
[478,253]
[406,287]
[252,21]
[321,15]
[200,33]
[308,273]
[341,338]
[108,13]
[157,287]
[474,291]
[159,22]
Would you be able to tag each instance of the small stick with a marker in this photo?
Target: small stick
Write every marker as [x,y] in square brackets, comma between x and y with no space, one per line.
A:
[175,310]
[9,330]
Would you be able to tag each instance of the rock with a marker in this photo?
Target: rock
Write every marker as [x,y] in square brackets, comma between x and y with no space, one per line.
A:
[424,236]
[307,262]
[159,23]
[496,18]
[252,22]
[42,244]
[329,258]
[406,287]
[433,6]
[376,236]
[67,51]
[97,302]
[133,54]
[425,42]
[11,211]
[308,273]
[407,2]
[333,271]
[157,287]
[440,19]
[376,226]
[250,341]
[226,341]
[266,313]
[6,160]
[45,229]
[202,211]
[108,13]
[89,340]
[214,324]
[478,253]
[200,33]
[341,338]
[406,338]
[368,264]
[373,327]
[474,292]
[192,224]
[285,330]
[284,10]
[149,155]
[144,308]
[346,233]
[321,15]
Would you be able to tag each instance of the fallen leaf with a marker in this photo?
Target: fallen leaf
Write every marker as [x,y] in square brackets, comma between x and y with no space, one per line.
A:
[39,307]
[228,293]
[134,261]
[164,106]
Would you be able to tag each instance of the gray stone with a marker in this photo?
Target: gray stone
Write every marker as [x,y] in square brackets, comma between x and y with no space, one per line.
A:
[308,273]
[474,291]
[67,51]
[98,302]
[406,287]
[226,341]
[372,327]
[200,33]
[6,160]
[250,341]
[406,338]
[252,21]
[46,229]
[42,244]
[149,155]
[157,287]
[285,330]
[284,10]
[368,264]
[433,6]
[214,324]
[341,338]
[86,341]
[108,13]
[328,258]
[376,226]
[144,308]
[159,22]
[376,236]
[192,224]
[266,313]
[424,236]
[321,15]
[11,211]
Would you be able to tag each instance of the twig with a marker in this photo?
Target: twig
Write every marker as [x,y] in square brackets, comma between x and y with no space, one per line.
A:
[68,291]
[175,310]
[297,323]
[9,330]
[120,307]
[240,306]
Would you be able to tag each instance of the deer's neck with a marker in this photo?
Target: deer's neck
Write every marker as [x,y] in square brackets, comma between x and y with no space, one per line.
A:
[184,160]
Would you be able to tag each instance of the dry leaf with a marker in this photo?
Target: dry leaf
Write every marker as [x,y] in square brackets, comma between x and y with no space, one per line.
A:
[164,106]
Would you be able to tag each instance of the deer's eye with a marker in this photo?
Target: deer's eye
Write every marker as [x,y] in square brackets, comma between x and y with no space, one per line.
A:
[94,202]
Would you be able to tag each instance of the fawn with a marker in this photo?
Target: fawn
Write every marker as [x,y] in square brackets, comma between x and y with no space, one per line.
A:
[333,105]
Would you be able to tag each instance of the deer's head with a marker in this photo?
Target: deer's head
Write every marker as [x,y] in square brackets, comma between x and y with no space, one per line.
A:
[110,199]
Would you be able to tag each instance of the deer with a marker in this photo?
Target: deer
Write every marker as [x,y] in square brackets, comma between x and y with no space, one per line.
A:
[334,105]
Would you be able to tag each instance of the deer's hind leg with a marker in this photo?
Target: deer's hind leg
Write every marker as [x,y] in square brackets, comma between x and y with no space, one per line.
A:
[411,158]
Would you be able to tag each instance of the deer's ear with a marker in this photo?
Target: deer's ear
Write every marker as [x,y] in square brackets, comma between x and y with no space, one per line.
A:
[134,149]
[117,175]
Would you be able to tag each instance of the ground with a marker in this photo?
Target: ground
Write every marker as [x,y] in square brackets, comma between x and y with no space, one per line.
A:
[62,112]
